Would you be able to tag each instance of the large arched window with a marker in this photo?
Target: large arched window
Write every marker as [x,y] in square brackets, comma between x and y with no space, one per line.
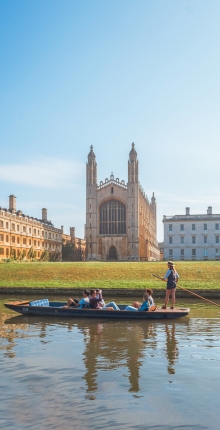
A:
[112,218]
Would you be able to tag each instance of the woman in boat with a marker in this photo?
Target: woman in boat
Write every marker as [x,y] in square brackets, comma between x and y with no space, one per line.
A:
[150,300]
[96,302]
[143,307]
[171,278]
[79,303]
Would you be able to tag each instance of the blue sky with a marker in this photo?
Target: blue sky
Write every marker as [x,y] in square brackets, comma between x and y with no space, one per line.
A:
[108,73]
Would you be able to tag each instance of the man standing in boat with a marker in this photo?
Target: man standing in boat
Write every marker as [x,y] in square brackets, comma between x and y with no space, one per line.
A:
[171,278]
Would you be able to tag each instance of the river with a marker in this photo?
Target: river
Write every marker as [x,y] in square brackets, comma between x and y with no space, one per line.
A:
[94,374]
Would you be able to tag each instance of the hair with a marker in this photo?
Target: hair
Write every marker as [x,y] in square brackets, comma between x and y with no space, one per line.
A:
[87,292]
[145,296]
[149,291]
[92,292]
[171,266]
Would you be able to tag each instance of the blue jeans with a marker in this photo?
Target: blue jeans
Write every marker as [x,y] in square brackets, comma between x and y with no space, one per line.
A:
[112,305]
[130,308]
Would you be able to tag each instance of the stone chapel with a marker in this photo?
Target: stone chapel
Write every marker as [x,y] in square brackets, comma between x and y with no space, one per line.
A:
[120,220]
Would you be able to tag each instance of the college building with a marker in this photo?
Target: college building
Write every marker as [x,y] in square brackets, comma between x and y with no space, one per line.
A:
[120,220]
[20,233]
[192,237]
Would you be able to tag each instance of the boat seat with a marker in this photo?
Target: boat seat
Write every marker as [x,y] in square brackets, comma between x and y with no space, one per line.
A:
[43,302]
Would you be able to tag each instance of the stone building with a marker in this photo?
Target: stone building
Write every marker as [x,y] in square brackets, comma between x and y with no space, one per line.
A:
[19,233]
[120,221]
[79,245]
[192,237]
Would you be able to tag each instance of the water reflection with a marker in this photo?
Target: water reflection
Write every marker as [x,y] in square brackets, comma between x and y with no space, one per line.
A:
[108,345]
[171,347]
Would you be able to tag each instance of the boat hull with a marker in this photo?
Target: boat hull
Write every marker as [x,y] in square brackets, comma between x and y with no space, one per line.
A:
[56,309]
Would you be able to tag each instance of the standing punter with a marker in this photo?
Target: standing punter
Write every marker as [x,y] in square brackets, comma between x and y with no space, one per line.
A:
[171,277]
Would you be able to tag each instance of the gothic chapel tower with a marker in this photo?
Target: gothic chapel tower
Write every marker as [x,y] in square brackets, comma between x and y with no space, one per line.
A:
[91,211]
[133,190]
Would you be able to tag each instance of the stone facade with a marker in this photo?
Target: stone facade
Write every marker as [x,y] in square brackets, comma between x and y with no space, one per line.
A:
[79,244]
[192,237]
[19,233]
[120,221]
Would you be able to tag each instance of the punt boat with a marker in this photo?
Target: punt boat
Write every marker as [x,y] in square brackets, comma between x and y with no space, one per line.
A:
[51,309]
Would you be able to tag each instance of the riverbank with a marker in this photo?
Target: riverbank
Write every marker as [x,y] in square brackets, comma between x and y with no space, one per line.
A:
[74,292]
[124,278]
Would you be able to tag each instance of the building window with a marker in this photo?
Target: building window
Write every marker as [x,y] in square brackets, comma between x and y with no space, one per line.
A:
[18,241]
[13,226]
[112,218]
[216,239]
[170,253]
[193,226]
[24,229]
[17,227]
[205,253]
[112,190]
[35,242]
[7,238]
[217,251]
[170,227]
[205,239]
[29,241]
[182,252]
[205,226]
[193,239]
[29,230]
[38,243]
[181,239]
[1,251]
[6,224]
[13,239]
[170,240]
[193,252]
[24,241]
[217,226]
[1,237]
[182,227]
[38,232]
[1,224]
[34,230]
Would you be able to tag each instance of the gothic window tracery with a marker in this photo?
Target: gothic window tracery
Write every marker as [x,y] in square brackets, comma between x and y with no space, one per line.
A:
[112,218]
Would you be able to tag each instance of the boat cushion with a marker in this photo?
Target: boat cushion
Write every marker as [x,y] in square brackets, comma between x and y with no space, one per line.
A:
[43,302]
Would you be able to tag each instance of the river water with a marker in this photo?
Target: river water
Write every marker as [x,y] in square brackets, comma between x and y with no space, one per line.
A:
[84,374]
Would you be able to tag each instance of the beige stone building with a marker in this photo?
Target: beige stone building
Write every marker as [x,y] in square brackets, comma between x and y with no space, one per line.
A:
[19,233]
[120,220]
[79,253]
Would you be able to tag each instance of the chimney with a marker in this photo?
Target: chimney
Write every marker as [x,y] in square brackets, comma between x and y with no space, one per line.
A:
[12,203]
[62,229]
[187,211]
[209,210]
[72,232]
[44,214]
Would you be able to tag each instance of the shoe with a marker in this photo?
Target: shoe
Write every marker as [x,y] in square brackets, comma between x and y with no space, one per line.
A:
[171,307]
[164,307]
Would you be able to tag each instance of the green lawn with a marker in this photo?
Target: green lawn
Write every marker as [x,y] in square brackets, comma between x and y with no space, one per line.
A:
[193,275]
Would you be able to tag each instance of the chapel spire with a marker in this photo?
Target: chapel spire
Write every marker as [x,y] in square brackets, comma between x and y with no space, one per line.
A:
[133,165]
[91,168]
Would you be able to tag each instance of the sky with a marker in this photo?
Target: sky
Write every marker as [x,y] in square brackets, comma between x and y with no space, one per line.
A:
[76,73]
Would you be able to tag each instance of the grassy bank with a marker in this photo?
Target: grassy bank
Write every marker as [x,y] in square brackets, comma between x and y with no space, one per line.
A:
[193,275]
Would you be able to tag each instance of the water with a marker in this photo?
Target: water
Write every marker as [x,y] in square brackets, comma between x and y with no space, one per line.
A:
[84,374]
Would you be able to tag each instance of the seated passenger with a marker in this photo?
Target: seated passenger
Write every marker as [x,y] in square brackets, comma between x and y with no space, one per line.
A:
[96,301]
[143,307]
[150,300]
[76,303]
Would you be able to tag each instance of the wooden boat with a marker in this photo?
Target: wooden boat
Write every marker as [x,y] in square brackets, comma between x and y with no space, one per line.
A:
[56,309]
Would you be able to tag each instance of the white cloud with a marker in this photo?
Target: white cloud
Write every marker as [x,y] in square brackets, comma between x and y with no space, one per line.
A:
[43,172]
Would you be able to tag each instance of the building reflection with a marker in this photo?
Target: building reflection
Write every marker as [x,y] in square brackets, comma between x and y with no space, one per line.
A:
[107,345]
